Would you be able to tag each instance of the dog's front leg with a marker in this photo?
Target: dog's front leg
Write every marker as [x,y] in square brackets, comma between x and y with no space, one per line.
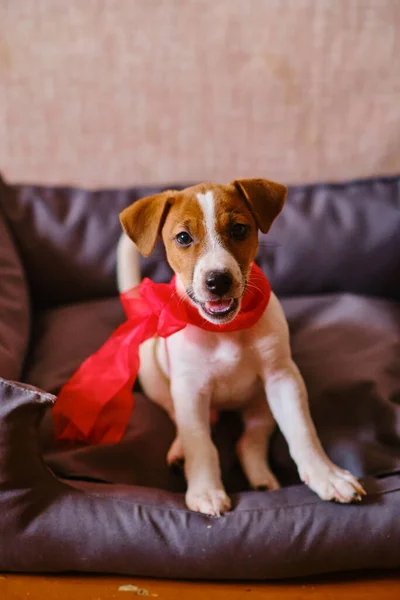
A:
[205,491]
[287,398]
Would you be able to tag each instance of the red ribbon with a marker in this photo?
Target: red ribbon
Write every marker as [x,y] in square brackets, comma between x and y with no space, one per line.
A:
[95,405]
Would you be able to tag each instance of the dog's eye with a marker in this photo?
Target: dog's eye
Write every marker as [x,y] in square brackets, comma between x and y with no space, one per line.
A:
[184,239]
[239,231]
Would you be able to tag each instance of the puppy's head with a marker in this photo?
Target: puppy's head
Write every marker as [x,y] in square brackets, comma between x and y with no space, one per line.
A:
[210,234]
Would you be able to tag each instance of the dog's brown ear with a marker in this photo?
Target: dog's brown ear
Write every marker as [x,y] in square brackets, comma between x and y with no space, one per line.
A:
[142,221]
[265,199]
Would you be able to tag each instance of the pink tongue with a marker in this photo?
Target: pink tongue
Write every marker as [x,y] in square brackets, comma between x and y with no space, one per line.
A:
[218,305]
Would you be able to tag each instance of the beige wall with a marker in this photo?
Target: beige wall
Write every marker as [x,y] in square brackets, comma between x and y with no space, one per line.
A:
[124,92]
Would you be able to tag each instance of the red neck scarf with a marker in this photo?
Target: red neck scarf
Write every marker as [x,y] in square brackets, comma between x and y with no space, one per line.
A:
[95,405]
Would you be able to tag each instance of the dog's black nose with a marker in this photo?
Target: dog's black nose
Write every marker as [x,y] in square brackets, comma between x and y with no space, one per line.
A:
[218,282]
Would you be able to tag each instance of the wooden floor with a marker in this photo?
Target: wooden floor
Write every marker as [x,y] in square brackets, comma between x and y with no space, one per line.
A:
[347,587]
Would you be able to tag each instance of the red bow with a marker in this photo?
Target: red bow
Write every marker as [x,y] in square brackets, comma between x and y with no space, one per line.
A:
[95,405]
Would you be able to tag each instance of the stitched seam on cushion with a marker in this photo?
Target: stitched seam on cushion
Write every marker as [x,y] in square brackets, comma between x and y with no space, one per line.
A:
[45,397]
[237,510]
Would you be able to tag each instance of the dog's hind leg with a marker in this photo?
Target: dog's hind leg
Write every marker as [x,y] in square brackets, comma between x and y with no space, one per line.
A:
[252,448]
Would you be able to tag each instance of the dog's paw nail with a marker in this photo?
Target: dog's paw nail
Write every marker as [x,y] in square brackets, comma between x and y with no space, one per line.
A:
[262,488]
[332,483]
[177,466]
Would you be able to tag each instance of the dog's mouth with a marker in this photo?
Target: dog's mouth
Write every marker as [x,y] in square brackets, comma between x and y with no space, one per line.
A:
[215,310]
[221,308]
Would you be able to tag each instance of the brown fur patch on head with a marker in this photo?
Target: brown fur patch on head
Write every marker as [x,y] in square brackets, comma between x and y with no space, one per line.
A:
[230,210]
[142,221]
[253,203]
[184,215]
[264,198]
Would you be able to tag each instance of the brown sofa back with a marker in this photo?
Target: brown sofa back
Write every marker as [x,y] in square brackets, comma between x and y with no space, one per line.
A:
[328,239]
[14,302]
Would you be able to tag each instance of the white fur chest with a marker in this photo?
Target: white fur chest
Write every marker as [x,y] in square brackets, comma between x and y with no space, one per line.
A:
[223,364]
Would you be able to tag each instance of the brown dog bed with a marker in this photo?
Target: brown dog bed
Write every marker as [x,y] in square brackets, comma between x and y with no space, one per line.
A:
[333,258]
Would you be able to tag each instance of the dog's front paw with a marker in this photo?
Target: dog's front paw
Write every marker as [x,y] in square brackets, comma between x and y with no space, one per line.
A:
[332,483]
[209,502]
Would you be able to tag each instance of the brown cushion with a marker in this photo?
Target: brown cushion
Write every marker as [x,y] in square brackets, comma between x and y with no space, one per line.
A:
[63,337]
[118,508]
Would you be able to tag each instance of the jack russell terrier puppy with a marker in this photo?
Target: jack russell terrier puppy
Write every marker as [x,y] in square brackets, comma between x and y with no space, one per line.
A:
[210,234]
